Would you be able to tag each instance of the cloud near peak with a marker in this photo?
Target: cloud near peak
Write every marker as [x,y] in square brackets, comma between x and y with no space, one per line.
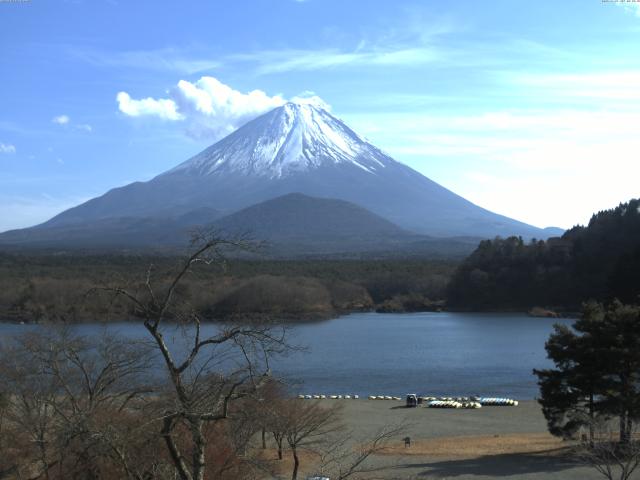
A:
[162,108]
[208,108]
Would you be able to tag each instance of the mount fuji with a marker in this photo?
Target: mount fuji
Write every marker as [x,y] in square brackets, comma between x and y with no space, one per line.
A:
[295,148]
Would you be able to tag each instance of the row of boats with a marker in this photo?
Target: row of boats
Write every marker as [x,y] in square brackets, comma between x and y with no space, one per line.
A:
[453,404]
[460,402]
[487,401]
[332,397]
[431,402]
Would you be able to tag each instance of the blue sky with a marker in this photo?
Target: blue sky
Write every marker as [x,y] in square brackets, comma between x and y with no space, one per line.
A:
[530,109]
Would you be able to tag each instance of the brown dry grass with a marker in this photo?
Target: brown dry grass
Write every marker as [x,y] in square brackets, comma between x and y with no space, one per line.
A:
[480,445]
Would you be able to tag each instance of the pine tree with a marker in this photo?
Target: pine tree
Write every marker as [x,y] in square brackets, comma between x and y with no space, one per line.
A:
[597,371]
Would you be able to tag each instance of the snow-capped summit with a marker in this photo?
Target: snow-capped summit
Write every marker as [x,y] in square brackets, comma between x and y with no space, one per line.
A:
[292,138]
[298,147]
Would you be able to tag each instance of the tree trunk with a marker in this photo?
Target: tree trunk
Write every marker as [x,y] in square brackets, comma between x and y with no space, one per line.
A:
[591,420]
[296,464]
[178,461]
[623,428]
[199,444]
[264,438]
[278,440]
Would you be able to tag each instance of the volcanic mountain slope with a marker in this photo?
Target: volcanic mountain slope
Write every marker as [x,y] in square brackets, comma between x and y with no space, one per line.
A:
[290,226]
[299,225]
[299,217]
[293,148]
[114,232]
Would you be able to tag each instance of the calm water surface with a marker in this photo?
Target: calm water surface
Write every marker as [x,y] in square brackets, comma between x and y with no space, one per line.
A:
[393,354]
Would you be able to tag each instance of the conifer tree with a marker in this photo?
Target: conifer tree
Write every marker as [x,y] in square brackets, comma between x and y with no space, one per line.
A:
[597,371]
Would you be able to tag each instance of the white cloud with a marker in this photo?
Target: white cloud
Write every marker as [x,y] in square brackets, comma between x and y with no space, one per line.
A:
[310,98]
[208,107]
[163,108]
[7,148]
[61,119]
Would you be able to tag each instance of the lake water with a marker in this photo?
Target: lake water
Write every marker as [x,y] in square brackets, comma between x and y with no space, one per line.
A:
[453,354]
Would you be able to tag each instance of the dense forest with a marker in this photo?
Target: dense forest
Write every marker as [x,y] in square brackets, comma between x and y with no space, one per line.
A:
[600,262]
[41,288]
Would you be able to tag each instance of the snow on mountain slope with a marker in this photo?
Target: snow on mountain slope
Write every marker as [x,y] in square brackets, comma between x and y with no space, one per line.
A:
[292,138]
[297,148]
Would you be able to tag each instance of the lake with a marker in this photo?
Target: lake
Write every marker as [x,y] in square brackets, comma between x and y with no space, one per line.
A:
[452,354]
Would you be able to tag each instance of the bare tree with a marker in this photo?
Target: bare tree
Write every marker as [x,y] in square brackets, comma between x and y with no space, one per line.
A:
[308,425]
[268,416]
[206,372]
[347,457]
[29,398]
[278,427]
[606,453]
[234,456]
[65,398]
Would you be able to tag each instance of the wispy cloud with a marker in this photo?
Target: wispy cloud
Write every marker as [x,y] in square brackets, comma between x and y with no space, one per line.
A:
[84,127]
[286,60]
[61,119]
[411,44]
[264,62]
[7,148]
[65,121]
[177,60]
[601,85]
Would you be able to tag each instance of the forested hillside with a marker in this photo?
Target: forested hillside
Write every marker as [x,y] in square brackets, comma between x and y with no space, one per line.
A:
[41,288]
[600,261]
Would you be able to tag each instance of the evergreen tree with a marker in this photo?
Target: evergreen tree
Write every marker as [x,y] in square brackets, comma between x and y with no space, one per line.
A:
[600,261]
[569,393]
[597,371]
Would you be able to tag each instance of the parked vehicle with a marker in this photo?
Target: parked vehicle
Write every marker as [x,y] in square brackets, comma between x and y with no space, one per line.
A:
[412,400]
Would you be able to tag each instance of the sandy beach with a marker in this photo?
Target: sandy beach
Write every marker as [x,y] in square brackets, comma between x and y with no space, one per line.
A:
[487,443]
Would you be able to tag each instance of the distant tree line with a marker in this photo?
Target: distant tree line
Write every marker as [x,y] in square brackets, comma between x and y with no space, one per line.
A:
[48,288]
[600,261]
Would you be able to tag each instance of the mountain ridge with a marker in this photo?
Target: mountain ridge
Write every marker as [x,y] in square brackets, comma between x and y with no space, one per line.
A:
[296,148]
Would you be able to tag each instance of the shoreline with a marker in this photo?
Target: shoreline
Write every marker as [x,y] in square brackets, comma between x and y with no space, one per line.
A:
[287,318]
